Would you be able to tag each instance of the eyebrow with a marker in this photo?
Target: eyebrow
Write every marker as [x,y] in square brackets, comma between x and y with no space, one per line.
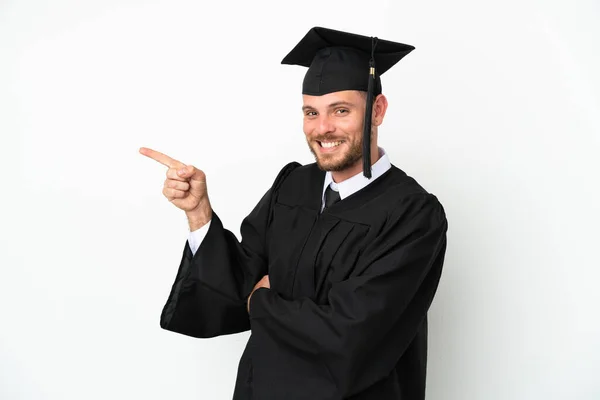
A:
[332,105]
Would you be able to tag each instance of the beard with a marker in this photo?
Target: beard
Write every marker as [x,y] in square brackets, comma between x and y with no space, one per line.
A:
[337,162]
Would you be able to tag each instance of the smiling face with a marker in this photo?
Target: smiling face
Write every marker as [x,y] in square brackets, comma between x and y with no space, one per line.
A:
[333,125]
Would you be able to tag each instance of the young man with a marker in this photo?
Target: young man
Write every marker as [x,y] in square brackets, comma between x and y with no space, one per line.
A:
[336,268]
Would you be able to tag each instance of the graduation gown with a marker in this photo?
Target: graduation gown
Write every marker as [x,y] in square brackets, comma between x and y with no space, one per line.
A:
[346,314]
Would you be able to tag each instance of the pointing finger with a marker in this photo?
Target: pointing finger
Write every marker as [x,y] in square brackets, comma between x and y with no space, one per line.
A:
[161,158]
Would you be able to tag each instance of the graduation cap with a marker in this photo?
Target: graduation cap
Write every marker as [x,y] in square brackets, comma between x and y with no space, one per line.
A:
[339,61]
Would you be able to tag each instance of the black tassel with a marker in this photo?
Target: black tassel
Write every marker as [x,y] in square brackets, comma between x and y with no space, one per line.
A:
[369,113]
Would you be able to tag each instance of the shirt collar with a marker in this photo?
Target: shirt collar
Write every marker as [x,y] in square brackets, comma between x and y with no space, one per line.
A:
[358,181]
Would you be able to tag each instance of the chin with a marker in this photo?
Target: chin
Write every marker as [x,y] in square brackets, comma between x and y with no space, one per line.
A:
[327,167]
[328,163]
[335,165]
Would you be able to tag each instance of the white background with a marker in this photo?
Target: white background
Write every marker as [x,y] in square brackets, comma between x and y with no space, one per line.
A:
[496,112]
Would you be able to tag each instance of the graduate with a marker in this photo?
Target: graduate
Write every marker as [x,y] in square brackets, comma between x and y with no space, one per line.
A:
[340,259]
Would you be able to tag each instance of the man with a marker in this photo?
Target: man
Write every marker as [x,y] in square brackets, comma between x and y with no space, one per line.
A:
[335,271]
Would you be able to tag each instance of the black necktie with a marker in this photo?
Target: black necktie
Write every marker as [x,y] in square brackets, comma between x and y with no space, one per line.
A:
[331,197]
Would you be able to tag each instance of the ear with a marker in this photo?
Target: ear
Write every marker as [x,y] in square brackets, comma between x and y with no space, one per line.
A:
[379,108]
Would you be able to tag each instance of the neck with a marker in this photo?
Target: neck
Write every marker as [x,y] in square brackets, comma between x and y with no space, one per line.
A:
[340,176]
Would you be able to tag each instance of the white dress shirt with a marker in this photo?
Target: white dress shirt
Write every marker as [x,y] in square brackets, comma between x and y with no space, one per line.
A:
[345,188]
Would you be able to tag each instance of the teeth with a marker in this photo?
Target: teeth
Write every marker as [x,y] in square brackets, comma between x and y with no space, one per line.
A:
[328,145]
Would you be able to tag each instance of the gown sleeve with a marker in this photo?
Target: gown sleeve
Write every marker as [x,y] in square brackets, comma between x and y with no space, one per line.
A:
[372,317]
[208,297]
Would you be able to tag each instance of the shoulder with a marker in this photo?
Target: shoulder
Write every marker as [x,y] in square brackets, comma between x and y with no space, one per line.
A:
[298,184]
[401,186]
[284,173]
[403,194]
[299,171]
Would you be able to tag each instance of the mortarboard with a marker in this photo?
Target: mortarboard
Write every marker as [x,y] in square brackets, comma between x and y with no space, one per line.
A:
[339,61]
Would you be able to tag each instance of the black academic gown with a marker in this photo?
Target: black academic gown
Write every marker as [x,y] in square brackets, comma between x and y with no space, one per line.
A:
[345,317]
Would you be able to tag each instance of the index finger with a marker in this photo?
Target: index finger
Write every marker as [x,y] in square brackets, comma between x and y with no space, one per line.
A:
[161,158]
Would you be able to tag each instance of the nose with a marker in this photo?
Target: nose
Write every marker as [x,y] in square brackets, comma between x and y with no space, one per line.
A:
[325,125]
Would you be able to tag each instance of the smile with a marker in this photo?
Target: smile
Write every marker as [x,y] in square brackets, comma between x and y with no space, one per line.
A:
[328,145]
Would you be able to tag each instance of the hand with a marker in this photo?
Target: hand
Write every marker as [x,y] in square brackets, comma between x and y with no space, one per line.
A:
[264,282]
[185,187]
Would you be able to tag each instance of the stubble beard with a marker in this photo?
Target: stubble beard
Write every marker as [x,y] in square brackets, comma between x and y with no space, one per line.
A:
[330,163]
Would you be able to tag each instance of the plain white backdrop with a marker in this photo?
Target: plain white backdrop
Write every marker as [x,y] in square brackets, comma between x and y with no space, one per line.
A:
[497,112]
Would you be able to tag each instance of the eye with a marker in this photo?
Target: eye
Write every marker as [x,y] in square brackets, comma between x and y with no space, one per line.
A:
[310,113]
[341,111]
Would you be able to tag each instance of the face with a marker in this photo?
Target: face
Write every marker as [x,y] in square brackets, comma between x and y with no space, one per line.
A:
[333,125]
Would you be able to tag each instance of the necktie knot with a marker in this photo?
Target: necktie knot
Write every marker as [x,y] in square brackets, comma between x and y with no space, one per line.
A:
[331,197]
